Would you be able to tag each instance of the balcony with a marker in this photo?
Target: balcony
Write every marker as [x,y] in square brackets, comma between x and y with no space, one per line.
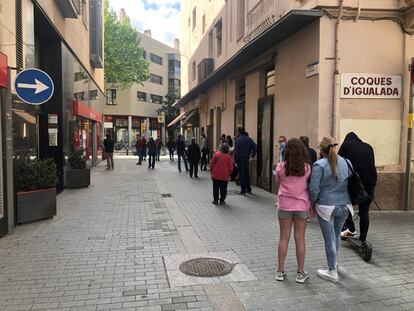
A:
[69,8]
[259,18]
[205,68]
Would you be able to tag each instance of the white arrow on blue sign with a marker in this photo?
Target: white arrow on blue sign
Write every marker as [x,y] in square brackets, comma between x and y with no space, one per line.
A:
[33,86]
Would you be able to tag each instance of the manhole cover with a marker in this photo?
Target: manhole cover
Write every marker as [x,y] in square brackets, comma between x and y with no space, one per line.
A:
[206,267]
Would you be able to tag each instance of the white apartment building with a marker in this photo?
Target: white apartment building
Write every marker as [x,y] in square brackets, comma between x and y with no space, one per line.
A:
[136,109]
[302,67]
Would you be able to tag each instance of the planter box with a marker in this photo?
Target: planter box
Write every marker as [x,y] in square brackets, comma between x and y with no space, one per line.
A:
[78,178]
[36,205]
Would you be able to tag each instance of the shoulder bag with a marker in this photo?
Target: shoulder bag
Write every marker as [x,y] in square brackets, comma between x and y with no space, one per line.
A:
[356,189]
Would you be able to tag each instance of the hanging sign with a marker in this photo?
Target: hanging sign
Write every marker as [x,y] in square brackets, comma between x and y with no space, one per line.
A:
[370,85]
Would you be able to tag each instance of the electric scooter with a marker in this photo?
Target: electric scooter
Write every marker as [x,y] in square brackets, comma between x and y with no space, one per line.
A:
[364,248]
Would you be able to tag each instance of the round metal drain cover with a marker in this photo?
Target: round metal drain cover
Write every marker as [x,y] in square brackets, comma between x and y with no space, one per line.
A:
[206,267]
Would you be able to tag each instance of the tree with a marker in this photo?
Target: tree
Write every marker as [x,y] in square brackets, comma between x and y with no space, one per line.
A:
[124,62]
[170,112]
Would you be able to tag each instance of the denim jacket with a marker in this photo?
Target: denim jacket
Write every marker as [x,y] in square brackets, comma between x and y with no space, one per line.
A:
[324,189]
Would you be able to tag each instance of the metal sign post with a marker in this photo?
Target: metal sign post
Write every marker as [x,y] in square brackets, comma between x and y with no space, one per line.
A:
[407,179]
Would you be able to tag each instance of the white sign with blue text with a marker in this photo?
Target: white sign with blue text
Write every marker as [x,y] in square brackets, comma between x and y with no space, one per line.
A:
[34,86]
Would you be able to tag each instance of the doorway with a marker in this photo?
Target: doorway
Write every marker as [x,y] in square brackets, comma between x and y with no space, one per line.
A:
[3,179]
[265,142]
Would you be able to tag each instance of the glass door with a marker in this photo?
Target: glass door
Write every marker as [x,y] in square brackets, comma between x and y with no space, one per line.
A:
[265,143]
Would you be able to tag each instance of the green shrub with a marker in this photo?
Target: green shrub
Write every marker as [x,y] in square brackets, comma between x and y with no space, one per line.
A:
[76,160]
[37,174]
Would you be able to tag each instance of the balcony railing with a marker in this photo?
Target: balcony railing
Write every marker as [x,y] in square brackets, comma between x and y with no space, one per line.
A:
[259,18]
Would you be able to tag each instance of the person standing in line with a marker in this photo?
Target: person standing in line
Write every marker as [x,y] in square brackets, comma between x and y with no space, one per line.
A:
[293,205]
[152,152]
[223,138]
[181,152]
[362,159]
[282,145]
[221,166]
[312,153]
[138,148]
[204,151]
[194,155]
[144,148]
[229,141]
[159,146]
[244,149]
[328,190]
[109,151]
[171,148]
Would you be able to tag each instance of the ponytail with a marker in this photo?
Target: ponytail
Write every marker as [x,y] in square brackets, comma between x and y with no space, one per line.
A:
[328,147]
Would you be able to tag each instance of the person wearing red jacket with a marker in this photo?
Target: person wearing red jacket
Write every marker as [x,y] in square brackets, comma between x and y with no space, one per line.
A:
[221,166]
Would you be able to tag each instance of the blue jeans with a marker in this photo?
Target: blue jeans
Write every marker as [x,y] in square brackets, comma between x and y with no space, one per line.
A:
[331,231]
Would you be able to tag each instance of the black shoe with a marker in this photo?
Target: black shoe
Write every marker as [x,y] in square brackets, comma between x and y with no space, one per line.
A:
[222,203]
[250,191]
[214,202]
[242,193]
[196,176]
[191,176]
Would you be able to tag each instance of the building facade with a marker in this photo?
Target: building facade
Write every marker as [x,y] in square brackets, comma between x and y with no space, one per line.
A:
[137,109]
[65,39]
[309,67]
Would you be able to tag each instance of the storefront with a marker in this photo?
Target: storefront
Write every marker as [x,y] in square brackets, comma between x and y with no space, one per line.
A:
[3,183]
[87,131]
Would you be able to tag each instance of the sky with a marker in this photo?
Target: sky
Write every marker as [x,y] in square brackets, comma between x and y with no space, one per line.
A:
[161,16]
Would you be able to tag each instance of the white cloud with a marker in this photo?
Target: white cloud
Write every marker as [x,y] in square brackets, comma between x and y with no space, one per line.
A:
[161,16]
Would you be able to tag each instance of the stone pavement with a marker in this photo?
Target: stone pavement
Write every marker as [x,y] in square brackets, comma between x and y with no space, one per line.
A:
[108,246]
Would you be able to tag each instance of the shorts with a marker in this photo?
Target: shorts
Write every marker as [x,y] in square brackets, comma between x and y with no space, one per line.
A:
[293,214]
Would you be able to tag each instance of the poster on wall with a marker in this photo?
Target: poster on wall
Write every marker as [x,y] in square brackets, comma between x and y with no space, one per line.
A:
[370,85]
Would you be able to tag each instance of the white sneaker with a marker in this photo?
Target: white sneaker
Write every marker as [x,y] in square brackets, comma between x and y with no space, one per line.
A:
[348,234]
[301,277]
[280,275]
[328,275]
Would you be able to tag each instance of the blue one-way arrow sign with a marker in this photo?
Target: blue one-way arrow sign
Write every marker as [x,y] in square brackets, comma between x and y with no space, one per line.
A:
[34,86]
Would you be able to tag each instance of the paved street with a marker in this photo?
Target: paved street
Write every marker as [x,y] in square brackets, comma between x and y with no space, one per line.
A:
[108,247]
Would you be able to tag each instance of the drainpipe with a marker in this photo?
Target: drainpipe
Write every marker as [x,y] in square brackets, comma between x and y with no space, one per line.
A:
[337,77]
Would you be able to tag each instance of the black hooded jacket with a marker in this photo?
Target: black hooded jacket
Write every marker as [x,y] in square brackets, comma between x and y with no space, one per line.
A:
[362,158]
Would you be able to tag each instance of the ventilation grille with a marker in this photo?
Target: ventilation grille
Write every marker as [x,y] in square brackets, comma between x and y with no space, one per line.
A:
[19,35]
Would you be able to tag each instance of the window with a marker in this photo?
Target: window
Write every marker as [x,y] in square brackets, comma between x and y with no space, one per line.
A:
[174,86]
[80,75]
[204,23]
[241,7]
[156,59]
[269,83]
[218,28]
[142,97]
[174,67]
[155,79]
[79,95]
[93,95]
[95,33]
[111,97]
[85,13]
[193,68]
[194,18]
[210,44]
[156,99]
[240,103]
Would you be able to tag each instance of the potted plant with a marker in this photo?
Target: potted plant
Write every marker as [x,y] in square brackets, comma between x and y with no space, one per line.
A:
[77,175]
[36,196]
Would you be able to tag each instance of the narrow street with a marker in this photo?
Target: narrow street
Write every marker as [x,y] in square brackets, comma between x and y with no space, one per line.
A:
[111,247]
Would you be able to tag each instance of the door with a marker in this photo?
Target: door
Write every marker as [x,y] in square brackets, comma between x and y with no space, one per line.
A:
[265,143]
[3,208]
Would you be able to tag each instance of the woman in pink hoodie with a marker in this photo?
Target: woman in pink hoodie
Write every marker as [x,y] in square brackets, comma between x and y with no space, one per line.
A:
[293,205]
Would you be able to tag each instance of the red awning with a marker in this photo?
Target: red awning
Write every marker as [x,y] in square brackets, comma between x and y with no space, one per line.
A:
[82,110]
[4,79]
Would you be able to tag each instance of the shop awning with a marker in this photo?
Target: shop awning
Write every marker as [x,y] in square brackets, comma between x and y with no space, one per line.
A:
[177,119]
[279,31]
[189,115]
[84,111]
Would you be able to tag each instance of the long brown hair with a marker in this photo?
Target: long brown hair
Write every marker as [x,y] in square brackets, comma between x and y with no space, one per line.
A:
[328,147]
[296,158]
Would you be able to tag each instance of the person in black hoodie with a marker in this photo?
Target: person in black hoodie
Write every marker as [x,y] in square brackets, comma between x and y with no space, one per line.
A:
[180,144]
[362,158]
[152,152]
[194,155]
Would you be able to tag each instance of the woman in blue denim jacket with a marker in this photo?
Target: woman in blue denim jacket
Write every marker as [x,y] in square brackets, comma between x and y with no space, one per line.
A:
[329,192]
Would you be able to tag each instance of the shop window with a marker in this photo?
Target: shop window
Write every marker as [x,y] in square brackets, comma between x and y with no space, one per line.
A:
[155,79]
[93,95]
[269,83]
[156,59]
[79,95]
[111,97]
[218,28]
[156,99]
[142,97]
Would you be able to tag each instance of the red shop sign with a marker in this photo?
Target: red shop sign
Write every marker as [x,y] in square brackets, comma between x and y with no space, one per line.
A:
[80,109]
[4,78]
